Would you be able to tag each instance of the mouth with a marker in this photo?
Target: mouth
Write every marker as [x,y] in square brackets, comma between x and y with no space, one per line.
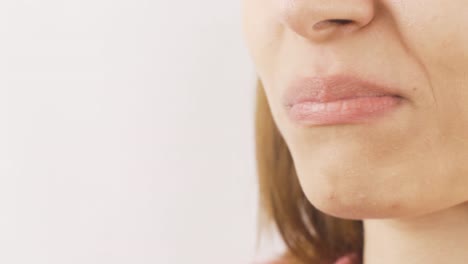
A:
[339,99]
[343,111]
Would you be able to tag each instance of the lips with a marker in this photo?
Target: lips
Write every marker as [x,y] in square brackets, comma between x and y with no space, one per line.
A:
[339,99]
[334,88]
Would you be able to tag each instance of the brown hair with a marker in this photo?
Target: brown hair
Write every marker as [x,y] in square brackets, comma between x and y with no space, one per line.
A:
[310,235]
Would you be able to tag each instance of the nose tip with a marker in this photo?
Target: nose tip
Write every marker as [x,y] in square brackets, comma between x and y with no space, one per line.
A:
[319,20]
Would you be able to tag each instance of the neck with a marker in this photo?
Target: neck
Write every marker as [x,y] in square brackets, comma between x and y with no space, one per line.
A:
[438,237]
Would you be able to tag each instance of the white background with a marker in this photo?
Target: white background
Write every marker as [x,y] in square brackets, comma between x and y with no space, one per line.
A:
[126,133]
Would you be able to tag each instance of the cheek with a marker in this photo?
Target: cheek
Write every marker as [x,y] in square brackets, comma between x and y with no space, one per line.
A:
[437,37]
[262,32]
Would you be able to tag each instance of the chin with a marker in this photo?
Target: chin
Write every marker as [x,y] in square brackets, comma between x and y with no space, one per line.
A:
[356,203]
[355,212]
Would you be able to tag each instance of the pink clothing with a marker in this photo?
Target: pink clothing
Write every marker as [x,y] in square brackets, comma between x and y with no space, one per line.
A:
[347,259]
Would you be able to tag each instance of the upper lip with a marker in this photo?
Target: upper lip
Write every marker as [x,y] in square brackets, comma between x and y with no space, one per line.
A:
[334,87]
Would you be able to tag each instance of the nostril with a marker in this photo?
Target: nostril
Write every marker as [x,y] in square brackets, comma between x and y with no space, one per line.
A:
[340,21]
[331,22]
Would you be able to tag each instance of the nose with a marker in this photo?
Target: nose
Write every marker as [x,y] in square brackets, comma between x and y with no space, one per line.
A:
[319,20]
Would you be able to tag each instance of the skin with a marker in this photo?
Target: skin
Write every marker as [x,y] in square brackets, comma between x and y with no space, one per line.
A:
[405,174]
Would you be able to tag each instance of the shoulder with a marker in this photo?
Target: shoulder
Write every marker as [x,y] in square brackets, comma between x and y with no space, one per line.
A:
[285,257]
[279,260]
[271,262]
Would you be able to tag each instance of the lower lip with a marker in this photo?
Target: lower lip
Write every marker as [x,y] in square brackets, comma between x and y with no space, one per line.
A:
[353,110]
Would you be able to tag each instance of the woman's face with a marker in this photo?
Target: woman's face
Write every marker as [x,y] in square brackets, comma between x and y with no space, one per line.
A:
[410,161]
